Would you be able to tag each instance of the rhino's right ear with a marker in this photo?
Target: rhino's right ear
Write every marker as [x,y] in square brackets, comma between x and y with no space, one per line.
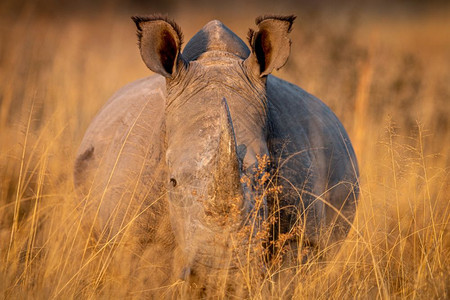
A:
[270,44]
[160,42]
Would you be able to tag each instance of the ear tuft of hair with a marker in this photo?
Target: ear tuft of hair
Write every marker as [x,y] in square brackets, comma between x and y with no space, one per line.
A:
[250,35]
[155,17]
[290,19]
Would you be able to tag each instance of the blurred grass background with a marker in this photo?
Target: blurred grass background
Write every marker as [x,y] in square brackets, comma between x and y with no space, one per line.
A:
[382,66]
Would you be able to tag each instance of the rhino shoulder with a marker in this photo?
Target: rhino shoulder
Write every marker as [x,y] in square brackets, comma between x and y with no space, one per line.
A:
[288,98]
[293,107]
[311,128]
[134,113]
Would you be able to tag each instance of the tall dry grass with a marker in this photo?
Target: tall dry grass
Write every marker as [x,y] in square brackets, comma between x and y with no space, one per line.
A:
[385,73]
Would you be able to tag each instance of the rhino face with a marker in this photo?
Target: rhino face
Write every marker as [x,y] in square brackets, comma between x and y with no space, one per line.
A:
[216,125]
[203,182]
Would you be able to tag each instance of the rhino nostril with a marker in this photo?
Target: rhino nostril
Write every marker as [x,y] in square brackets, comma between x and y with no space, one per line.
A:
[173,182]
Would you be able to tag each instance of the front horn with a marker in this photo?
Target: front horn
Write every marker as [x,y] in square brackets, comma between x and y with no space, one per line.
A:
[228,172]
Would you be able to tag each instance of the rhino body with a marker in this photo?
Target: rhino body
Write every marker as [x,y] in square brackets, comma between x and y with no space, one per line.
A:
[170,157]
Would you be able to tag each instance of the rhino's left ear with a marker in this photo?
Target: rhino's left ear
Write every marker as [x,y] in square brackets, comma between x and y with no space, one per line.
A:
[160,42]
[270,45]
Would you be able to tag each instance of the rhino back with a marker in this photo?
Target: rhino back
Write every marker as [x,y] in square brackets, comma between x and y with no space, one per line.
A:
[119,165]
[312,152]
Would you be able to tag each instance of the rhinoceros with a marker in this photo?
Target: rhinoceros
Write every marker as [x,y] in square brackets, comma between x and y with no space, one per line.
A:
[212,142]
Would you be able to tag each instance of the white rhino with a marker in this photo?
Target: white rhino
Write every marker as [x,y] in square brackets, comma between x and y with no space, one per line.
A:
[173,158]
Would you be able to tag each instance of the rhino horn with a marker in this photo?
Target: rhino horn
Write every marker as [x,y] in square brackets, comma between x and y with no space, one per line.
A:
[227,145]
[228,172]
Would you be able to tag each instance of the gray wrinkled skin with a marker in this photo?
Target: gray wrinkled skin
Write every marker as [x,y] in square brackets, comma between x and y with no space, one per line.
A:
[172,148]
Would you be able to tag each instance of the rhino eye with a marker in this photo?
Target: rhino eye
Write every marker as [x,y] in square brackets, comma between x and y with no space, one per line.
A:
[173,182]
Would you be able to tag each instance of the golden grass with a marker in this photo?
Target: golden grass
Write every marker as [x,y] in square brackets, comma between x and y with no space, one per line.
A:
[385,77]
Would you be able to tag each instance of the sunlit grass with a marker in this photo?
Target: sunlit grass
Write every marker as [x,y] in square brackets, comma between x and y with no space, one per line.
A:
[388,87]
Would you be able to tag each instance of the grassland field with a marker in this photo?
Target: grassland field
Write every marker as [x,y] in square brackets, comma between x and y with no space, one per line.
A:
[383,69]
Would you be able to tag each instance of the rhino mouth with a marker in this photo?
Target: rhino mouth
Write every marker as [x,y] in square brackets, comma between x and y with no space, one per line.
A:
[221,255]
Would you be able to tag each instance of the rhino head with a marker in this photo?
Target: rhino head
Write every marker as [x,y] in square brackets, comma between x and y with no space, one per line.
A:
[215,126]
